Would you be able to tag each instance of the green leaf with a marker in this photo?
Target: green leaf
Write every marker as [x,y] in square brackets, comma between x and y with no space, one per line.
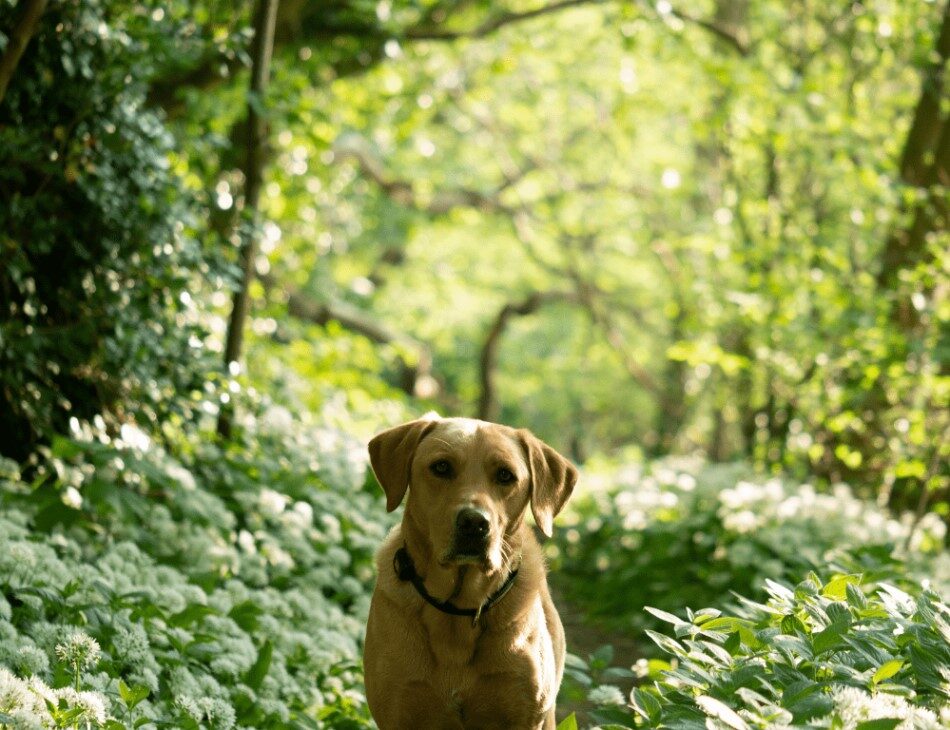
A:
[568,723]
[602,656]
[882,724]
[664,616]
[887,670]
[255,675]
[837,587]
[721,711]
[829,638]
[246,615]
[671,646]
[646,704]
[190,615]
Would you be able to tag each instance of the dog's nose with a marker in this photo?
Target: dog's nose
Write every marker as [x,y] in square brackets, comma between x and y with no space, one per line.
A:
[472,522]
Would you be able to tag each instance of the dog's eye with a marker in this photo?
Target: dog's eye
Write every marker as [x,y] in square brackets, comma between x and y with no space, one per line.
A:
[504,476]
[441,469]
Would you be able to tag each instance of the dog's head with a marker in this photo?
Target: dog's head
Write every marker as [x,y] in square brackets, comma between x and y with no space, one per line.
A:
[470,483]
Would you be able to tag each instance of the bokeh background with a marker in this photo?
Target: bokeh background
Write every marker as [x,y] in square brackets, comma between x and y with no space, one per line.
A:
[700,248]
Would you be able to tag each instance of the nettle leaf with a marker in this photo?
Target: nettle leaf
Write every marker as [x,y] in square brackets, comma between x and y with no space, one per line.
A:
[837,587]
[134,695]
[855,596]
[192,613]
[246,615]
[830,637]
[667,644]
[887,670]
[721,711]
[646,704]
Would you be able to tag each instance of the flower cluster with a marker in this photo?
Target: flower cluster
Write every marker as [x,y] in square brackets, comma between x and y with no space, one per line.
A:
[222,591]
[678,532]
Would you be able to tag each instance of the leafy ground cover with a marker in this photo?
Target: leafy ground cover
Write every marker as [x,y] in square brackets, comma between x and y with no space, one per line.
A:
[678,533]
[166,581]
[850,652]
[216,588]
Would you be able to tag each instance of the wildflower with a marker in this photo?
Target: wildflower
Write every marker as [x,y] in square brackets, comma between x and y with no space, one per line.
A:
[72,498]
[854,707]
[80,650]
[131,644]
[90,706]
[606,694]
[31,660]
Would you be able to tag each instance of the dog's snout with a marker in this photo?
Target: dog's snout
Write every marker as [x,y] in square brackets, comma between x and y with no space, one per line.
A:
[472,522]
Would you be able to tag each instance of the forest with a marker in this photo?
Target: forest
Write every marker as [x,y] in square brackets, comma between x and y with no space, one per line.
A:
[699,248]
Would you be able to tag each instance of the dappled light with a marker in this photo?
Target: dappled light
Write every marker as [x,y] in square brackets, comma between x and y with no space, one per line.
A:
[697,250]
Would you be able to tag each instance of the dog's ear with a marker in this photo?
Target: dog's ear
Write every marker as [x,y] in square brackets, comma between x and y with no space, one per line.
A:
[552,480]
[390,454]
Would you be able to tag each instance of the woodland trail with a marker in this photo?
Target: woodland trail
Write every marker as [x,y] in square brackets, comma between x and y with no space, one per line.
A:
[583,638]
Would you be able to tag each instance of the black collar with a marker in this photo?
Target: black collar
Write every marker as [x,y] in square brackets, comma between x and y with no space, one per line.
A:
[406,570]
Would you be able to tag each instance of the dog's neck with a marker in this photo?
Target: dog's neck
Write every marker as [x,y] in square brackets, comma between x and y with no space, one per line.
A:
[467,585]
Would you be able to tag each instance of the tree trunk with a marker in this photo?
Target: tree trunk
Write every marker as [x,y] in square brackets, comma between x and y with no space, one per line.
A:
[925,163]
[488,401]
[29,18]
[262,51]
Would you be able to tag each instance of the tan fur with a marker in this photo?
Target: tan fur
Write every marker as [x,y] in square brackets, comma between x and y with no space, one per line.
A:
[426,669]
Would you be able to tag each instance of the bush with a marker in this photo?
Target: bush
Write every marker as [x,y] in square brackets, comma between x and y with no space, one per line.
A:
[219,588]
[96,259]
[677,533]
[844,653]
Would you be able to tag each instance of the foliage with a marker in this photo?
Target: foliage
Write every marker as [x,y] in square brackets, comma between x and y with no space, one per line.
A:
[97,251]
[223,587]
[677,533]
[851,653]
[717,209]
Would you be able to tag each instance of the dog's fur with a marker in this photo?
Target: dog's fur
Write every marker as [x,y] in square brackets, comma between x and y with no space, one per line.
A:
[429,670]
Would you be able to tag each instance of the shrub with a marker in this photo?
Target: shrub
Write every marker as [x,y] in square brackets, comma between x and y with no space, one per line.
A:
[844,653]
[96,259]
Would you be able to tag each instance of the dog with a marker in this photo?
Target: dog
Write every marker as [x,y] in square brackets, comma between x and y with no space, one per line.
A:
[462,632]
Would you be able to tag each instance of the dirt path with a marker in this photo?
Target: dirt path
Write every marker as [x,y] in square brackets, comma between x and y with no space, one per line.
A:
[583,638]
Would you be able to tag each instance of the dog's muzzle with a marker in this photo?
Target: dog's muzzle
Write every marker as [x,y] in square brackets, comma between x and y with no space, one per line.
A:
[472,528]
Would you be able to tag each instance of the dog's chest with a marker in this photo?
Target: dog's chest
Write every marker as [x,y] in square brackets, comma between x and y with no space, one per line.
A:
[494,681]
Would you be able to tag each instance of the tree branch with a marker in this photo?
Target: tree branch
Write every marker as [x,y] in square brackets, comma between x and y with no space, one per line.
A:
[442,202]
[491,24]
[416,376]
[721,33]
[30,13]
[488,401]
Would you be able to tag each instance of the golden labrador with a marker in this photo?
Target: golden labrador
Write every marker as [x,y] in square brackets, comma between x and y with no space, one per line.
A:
[462,632]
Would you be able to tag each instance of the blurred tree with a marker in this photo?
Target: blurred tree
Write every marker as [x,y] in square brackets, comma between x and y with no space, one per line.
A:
[257,131]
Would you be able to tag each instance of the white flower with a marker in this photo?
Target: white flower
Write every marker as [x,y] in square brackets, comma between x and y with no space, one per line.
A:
[14,692]
[134,437]
[131,644]
[91,705]
[855,706]
[72,498]
[606,694]
[79,649]
[273,502]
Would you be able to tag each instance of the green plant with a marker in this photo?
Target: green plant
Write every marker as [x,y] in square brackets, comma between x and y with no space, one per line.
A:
[677,532]
[215,587]
[847,653]
[98,258]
